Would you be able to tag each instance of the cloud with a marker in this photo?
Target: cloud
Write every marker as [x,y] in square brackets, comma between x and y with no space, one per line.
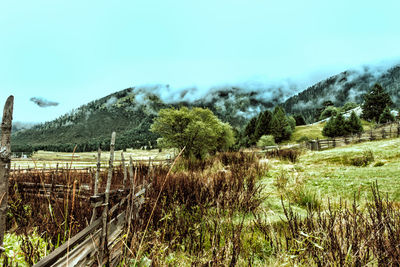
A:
[43,103]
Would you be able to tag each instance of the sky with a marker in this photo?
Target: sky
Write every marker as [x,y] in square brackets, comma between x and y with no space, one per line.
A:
[72,52]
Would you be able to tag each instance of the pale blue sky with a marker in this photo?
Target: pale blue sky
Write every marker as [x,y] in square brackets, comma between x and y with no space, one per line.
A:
[73,52]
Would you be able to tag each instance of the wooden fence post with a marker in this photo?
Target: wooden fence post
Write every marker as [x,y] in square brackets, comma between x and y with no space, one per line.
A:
[318,145]
[124,168]
[5,161]
[96,183]
[103,244]
[383,133]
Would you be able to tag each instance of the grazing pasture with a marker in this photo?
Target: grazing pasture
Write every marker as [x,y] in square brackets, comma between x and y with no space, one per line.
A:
[297,207]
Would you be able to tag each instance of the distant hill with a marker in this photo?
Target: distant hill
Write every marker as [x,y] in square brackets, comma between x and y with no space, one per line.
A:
[344,87]
[130,113]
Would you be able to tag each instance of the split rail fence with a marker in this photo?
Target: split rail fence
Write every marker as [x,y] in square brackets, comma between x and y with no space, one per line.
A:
[101,242]
[384,131]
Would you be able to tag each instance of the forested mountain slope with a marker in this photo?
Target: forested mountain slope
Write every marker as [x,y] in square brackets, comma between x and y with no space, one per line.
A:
[344,87]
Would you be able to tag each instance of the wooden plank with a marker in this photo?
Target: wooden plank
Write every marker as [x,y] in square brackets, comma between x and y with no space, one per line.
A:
[88,248]
[61,250]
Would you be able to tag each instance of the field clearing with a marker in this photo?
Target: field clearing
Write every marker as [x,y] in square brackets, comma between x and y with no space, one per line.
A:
[314,131]
[324,175]
[49,159]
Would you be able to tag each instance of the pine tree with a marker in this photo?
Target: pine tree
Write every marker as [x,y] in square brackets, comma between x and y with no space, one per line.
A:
[299,119]
[386,116]
[353,124]
[280,127]
[329,129]
[375,102]
[249,131]
[263,126]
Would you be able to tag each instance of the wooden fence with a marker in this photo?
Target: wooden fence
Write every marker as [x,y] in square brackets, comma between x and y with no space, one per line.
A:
[389,130]
[101,241]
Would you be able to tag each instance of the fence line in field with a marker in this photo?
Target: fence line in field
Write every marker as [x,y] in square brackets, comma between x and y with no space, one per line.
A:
[101,241]
[384,131]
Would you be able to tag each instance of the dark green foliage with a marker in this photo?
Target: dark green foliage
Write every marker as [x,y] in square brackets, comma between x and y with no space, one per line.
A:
[299,119]
[292,122]
[375,101]
[386,116]
[197,130]
[344,87]
[353,124]
[349,105]
[263,126]
[336,126]
[328,112]
[280,127]
[339,126]
[329,129]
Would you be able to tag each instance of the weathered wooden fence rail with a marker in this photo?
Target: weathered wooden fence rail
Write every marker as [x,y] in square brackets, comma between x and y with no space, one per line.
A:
[389,130]
[100,242]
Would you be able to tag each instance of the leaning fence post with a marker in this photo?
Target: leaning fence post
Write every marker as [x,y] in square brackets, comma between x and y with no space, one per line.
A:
[5,161]
[96,184]
[124,168]
[103,244]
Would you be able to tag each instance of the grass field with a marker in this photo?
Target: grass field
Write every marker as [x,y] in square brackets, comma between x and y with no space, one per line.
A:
[322,175]
[50,159]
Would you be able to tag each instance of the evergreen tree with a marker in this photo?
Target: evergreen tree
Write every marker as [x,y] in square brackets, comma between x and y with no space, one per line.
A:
[280,127]
[292,123]
[299,119]
[340,125]
[329,129]
[263,126]
[249,132]
[386,116]
[336,126]
[375,102]
[353,124]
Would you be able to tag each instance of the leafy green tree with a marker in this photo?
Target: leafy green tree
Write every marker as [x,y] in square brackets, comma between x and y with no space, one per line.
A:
[266,140]
[386,116]
[280,127]
[328,112]
[196,129]
[353,124]
[348,106]
[375,102]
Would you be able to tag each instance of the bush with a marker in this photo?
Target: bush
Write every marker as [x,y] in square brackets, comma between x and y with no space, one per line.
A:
[303,139]
[288,154]
[360,161]
[266,140]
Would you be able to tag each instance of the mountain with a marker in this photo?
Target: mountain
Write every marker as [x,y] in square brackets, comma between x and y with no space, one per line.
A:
[130,113]
[344,87]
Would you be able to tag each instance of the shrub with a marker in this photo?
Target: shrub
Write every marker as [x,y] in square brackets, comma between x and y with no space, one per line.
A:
[379,164]
[303,139]
[288,154]
[360,161]
[266,140]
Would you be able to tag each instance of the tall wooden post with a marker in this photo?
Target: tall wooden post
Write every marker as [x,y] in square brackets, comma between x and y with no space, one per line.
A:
[5,161]
[96,183]
[104,245]
[124,169]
